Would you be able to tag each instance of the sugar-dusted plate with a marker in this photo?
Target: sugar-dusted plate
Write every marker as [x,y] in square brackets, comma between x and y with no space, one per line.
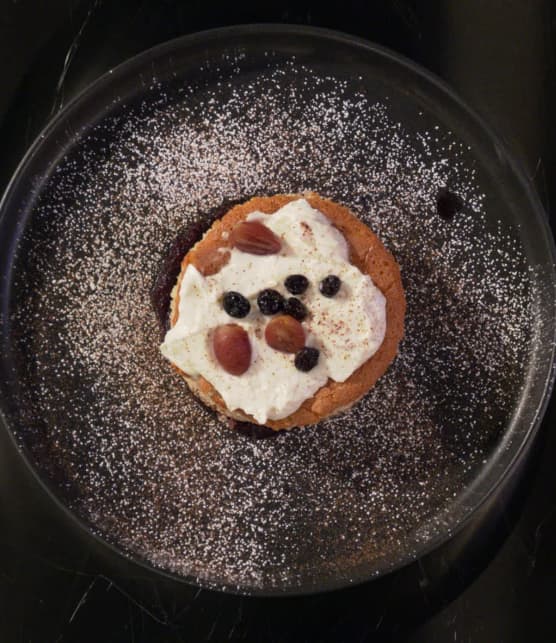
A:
[153,148]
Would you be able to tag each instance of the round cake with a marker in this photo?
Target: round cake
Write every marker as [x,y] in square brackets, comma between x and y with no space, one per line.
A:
[287,311]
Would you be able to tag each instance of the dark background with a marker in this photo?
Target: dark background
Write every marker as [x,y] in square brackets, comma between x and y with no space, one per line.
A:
[497,581]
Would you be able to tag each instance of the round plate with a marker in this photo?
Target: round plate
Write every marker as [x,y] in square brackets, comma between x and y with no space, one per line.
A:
[153,148]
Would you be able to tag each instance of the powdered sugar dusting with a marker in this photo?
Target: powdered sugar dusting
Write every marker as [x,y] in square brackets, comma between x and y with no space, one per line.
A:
[146,464]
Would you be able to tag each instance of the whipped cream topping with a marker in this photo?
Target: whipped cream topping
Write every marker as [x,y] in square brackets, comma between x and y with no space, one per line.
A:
[347,328]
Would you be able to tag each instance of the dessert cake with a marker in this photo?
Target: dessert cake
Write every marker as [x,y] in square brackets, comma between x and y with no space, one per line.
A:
[287,311]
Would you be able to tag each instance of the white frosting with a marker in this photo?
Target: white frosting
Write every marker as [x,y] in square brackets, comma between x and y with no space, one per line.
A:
[347,329]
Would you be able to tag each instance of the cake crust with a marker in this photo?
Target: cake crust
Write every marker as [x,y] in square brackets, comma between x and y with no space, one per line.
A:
[366,252]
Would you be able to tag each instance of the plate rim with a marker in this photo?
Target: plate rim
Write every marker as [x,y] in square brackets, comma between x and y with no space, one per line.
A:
[517,170]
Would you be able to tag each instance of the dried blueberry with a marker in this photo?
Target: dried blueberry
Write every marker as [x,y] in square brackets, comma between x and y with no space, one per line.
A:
[235,304]
[296,284]
[270,302]
[330,285]
[306,359]
[295,308]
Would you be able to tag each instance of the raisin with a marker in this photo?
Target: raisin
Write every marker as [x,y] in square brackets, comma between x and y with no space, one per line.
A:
[296,284]
[306,359]
[295,308]
[270,302]
[235,304]
[330,285]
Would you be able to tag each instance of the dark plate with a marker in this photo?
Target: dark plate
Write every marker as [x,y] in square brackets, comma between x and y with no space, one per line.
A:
[151,149]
